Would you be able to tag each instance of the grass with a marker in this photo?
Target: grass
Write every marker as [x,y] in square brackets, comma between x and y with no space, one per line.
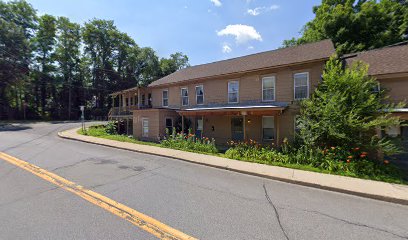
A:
[99,131]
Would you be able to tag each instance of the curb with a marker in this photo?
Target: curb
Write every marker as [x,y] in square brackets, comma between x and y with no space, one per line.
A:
[385,198]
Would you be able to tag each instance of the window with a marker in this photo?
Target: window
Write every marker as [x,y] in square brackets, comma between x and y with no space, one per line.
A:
[131,101]
[268,128]
[149,99]
[143,100]
[301,85]
[184,97]
[145,127]
[199,95]
[268,89]
[169,125]
[127,101]
[165,98]
[233,92]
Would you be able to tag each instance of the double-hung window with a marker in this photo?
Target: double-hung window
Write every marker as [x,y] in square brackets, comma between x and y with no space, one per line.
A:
[145,127]
[199,95]
[184,97]
[301,81]
[233,91]
[268,89]
[165,98]
[268,128]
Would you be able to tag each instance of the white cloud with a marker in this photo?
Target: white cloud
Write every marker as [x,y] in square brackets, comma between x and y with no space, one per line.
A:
[226,48]
[217,3]
[258,10]
[250,47]
[242,33]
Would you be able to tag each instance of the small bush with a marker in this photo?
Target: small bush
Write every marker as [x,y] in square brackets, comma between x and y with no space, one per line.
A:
[188,142]
[112,127]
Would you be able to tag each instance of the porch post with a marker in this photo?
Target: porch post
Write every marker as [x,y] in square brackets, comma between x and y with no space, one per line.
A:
[243,119]
[182,124]
[138,98]
[277,128]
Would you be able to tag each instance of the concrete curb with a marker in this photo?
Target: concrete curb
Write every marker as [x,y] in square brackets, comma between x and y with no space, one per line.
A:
[389,192]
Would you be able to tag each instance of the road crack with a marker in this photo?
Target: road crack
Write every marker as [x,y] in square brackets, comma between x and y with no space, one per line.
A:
[353,223]
[276,212]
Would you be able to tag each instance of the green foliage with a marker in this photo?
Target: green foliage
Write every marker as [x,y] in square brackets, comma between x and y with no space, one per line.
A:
[345,111]
[50,66]
[112,127]
[189,142]
[334,160]
[356,25]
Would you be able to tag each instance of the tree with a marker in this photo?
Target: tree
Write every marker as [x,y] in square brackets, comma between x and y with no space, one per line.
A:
[345,111]
[17,25]
[67,54]
[356,25]
[44,44]
[176,62]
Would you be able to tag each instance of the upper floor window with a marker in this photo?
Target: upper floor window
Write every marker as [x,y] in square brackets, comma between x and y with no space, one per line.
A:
[165,98]
[268,89]
[199,95]
[143,100]
[184,97]
[301,85]
[233,91]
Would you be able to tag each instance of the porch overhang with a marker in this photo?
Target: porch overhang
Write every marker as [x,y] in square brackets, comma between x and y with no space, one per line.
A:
[402,113]
[234,110]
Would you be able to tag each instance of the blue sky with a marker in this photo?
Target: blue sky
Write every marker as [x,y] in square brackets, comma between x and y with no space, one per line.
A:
[205,30]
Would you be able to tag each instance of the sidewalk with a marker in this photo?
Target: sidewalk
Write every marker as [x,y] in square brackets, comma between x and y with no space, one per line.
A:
[367,188]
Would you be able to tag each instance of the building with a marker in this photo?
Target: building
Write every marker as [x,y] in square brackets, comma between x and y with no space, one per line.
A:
[250,97]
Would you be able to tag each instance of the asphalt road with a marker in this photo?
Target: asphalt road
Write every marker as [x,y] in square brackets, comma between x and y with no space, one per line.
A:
[200,201]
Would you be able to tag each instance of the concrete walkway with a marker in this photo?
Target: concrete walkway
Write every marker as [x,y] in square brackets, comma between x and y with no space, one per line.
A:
[367,188]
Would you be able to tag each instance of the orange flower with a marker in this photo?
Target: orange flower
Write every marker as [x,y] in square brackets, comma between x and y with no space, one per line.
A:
[333,148]
[363,155]
[350,157]
[386,161]
[356,149]
[348,160]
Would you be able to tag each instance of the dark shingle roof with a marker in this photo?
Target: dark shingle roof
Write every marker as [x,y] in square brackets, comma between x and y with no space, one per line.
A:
[284,56]
[387,60]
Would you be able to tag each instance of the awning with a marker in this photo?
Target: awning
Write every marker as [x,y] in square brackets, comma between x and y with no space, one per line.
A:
[250,109]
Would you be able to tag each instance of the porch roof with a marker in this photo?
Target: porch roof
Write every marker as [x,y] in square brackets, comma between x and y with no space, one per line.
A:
[235,109]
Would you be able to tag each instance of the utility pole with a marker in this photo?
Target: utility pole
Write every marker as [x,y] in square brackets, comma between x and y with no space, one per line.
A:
[83,117]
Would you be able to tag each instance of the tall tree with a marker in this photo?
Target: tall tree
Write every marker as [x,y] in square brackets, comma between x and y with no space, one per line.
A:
[176,62]
[356,25]
[17,25]
[68,57]
[44,44]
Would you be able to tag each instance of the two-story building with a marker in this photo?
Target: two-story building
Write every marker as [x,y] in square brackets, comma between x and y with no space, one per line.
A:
[250,97]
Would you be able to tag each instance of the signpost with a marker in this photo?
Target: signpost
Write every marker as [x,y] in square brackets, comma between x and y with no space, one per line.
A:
[82,117]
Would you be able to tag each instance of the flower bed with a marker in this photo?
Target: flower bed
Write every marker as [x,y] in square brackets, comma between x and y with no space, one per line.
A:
[189,142]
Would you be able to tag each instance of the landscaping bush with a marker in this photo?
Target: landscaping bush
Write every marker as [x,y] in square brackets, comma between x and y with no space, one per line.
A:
[112,127]
[336,160]
[188,142]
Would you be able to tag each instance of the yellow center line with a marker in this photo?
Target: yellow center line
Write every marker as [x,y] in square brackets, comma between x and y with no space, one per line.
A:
[148,224]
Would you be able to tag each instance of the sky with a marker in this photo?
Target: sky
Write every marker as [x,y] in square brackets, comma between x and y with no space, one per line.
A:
[204,30]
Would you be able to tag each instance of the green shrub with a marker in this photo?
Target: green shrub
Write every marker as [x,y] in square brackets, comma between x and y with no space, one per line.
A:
[112,127]
[188,142]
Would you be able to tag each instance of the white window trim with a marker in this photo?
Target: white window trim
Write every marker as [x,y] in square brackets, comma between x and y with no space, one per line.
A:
[165,90]
[202,86]
[274,129]
[274,89]
[181,94]
[294,86]
[148,130]
[228,92]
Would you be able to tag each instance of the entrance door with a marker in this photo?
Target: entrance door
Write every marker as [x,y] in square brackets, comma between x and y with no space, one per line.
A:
[237,128]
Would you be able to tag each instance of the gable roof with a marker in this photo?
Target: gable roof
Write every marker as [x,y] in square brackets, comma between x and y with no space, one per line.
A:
[279,57]
[387,60]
